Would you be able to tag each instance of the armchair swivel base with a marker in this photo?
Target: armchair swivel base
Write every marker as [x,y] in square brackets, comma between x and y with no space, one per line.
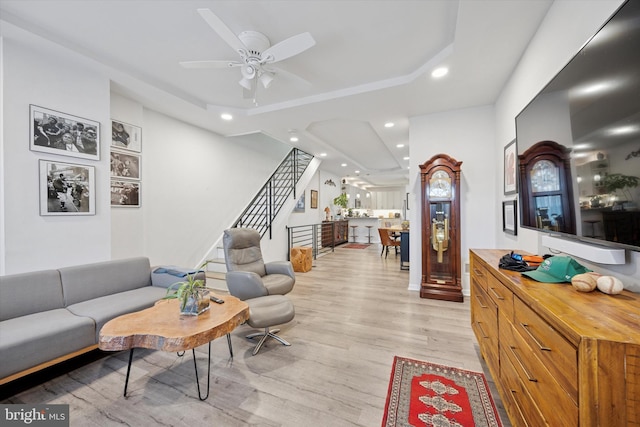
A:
[268,311]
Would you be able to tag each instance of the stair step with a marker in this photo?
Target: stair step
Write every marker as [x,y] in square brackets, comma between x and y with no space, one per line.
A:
[216,265]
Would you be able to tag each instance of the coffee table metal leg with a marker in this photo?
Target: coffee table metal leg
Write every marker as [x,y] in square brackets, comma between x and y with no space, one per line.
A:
[230,347]
[195,365]
[126,381]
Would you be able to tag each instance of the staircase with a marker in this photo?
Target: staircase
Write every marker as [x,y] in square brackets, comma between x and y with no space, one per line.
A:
[263,209]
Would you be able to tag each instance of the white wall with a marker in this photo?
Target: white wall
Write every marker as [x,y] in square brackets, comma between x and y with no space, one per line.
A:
[468,136]
[567,26]
[52,78]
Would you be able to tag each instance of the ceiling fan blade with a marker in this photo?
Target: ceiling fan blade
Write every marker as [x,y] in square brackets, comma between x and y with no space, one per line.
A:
[288,48]
[210,64]
[223,31]
[288,74]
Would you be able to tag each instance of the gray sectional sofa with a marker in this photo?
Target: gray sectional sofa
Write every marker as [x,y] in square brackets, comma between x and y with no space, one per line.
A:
[53,315]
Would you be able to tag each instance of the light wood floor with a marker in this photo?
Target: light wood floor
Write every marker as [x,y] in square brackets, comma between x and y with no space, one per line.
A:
[353,315]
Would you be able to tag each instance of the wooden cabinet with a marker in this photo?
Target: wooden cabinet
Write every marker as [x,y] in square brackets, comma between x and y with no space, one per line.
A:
[334,232]
[558,357]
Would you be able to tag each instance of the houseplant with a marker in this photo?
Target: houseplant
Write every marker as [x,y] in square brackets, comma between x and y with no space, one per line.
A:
[625,183]
[192,294]
[341,201]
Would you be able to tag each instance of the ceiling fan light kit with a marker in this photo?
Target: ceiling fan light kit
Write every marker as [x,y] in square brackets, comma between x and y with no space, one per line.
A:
[255,52]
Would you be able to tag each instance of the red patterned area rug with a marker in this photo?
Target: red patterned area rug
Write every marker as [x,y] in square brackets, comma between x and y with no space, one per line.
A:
[356,245]
[426,394]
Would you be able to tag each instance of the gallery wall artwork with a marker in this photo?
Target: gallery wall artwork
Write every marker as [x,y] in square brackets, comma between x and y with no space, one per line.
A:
[125,136]
[59,133]
[67,189]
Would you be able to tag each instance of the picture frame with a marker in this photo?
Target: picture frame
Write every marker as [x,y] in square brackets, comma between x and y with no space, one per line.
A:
[510,168]
[509,217]
[125,136]
[124,165]
[67,189]
[125,194]
[54,132]
[314,199]
[299,207]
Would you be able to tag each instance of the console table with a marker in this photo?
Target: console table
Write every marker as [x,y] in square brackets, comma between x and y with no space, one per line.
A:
[558,357]
[334,233]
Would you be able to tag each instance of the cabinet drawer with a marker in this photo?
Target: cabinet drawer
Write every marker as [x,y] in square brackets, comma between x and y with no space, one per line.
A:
[484,320]
[479,273]
[549,346]
[516,398]
[501,295]
[557,406]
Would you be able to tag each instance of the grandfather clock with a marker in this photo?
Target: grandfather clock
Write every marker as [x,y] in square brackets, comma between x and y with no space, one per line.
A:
[441,274]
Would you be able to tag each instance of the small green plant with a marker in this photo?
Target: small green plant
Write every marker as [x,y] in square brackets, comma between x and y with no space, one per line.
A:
[186,289]
[341,200]
[615,181]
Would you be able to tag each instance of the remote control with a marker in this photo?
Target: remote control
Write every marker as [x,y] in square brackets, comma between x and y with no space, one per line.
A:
[217,300]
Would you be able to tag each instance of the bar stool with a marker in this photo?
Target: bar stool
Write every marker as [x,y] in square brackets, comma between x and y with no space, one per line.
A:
[369,227]
[593,223]
[353,232]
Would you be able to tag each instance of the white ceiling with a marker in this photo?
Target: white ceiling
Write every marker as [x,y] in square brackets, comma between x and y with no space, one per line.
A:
[371,64]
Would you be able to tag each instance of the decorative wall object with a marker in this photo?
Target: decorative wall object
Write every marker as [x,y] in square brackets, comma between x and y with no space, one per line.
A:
[124,165]
[299,204]
[314,199]
[67,189]
[330,183]
[510,168]
[125,136]
[509,218]
[125,194]
[60,133]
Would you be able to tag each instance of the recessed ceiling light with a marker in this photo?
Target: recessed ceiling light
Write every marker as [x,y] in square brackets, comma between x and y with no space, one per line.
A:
[226,116]
[323,154]
[405,158]
[439,72]
[344,165]
[389,124]
[400,145]
[357,171]
[293,139]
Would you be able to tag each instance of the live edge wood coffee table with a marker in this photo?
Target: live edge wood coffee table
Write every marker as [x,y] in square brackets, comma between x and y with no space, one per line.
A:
[162,327]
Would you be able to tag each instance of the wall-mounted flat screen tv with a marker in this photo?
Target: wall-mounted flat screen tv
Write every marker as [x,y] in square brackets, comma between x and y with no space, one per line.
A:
[591,110]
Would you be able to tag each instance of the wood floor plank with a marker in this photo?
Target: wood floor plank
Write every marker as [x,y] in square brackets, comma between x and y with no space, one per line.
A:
[354,313]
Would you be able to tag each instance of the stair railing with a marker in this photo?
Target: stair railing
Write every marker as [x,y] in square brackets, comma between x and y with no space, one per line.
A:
[265,206]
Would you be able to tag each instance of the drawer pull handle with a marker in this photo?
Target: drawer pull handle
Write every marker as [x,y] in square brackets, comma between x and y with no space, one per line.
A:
[478,272]
[480,302]
[515,400]
[540,346]
[526,372]
[482,330]
[495,293]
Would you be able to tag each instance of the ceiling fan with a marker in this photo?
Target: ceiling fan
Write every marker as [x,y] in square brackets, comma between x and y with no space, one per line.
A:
[256,54]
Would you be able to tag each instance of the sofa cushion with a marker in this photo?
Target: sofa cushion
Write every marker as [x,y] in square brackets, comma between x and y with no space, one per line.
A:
[28,293]
[36,338]
[103,309]
[86,282]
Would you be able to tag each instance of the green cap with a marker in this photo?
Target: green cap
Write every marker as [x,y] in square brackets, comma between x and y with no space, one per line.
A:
[557,269]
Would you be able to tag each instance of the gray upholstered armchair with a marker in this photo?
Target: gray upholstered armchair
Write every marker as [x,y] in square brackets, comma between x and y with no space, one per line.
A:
[245,264]
[262,285]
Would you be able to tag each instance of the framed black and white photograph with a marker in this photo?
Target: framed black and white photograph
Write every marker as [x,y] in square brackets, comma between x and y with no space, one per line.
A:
[124,165]
[125,136]
[125,194]
[314,199]
[60,133]
[299,207]
[509,218]
[67,189]
[510,168]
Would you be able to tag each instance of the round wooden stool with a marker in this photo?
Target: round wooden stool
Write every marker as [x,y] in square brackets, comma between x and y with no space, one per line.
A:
[353,233]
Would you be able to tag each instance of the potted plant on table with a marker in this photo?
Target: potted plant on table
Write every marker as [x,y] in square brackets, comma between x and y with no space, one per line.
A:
[625,183]
[192,294]
[341,201]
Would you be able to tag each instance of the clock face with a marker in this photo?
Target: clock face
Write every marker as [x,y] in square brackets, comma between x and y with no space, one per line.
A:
[440,185]
[545,176]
